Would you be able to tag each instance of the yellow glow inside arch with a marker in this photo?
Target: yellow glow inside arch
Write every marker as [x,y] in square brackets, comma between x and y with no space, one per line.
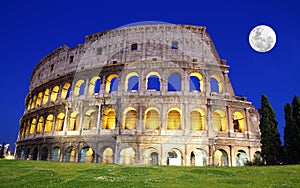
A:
[239,118]
[220,83]
[197,119]
[200,77]
[219,120]
[174,119]
[108,82]
[152,118]
[129,118]
[127,79]
[92,84]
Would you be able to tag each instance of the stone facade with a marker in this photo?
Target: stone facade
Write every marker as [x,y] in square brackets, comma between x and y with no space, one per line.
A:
[155,94]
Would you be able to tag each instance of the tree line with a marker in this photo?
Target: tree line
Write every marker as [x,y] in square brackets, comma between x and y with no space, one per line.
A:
[272,150]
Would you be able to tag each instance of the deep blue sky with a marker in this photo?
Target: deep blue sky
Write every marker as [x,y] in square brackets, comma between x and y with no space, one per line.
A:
[31,29]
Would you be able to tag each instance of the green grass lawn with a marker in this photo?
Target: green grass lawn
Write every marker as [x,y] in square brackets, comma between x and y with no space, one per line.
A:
[18,173]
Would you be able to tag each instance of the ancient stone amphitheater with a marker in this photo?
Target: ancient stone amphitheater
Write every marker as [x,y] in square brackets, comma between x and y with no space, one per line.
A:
[152,94]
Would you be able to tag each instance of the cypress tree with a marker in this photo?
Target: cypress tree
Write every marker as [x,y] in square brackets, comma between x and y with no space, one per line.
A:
[296,119]
[270,137]
[289,135]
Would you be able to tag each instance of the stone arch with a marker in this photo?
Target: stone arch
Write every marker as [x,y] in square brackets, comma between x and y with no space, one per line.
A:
[241,158]
[49,123]
[109,119]
[153,81]
[132,82]
[46,96]
[216,84]
[27,153]
[174,82]
[59,124]
[70,153]
[74,121]
[107,156]
[39,99]
[238,122]
[87,155]
[221,158]
[32,126]
[54,94]
[39,127]
[174,119]
[129,118]
[79,88]
[44,154]
[196,82]
[151,156]
[197,120]
[29,104]
[112,83]
[33,102]
[174,157]
[90,120]
[198,158]
[219,120]
[127,156]
[94,85]
[152,119]
[34,154]
[65,92]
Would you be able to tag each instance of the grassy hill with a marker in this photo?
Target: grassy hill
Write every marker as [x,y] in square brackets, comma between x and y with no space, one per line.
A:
[17,173]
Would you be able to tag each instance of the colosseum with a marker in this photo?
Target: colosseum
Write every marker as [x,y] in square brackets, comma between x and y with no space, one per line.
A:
[142,94]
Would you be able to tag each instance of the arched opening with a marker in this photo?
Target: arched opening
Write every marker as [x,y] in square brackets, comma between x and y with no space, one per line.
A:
[258,160]
[152,119]
[153,81]
[174,119]
[216,84]
[127,156]
[27,154]
[29,104]
[112,83]
[65,92]
[197,118]
[109,119]
[70,154]
[174,158]
[54,94]
[196,82]
[74,121]
[39,127]
[94,85]
[55,154]
[39,99]
[107,156]
[34,154]
[22,154]
[46,96]
[33,102]
[59,124]
[219,121]
[79,88]
[44,154]
[49,123]
[151,157]
[90,120]
[174,82]
[86,155]
[220,158]
[238,122]
[32,126]
[27,131]
[129,118]
[198,158]
[241,158]
[132,82]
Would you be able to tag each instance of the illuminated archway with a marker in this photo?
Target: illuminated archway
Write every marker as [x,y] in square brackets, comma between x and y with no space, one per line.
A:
[151,157]
[216,84]
[109,119]
[127,156]
[39,127]
[94,85]
[46,96]
[74,121]
[196,82]
[39,99]
[112,83]
[49,123]
[152,119]
[132,82]
[174,157]
[107,156]
[29,104]
[219,120]
[32,126]
[153,81]
[129,118]
[198,158]
[54,94]
[55,154]
[65,92]
[59,124]
[238,122]
[79,88]
[174,119]
[86,155]
[241,158]
[174,82]
[90,120]
[33,102]
[197,120]
[220,158]
[70,154]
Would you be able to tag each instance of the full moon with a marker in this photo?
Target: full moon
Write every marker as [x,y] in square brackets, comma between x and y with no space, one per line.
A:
[262,38]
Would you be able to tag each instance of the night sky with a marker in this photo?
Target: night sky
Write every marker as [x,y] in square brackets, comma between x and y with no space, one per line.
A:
[32,29]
